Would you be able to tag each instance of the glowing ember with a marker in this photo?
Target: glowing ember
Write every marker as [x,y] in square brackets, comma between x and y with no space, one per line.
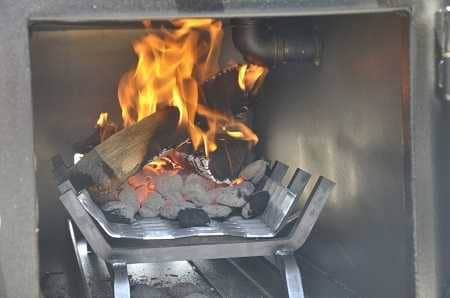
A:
[143,186]
[238,181]
[173,61]
[144,181]
[163,165]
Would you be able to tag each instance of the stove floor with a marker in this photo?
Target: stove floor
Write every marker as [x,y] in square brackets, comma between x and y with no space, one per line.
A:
[168,280]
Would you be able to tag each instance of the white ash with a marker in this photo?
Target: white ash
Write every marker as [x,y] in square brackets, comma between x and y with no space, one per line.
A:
[167,184]
[255,171]
[217,211]
[228,196]
[121,209]
[129,196]
[171,210]
[174,197]
[197,179]
[197,194]
[152,205]
[196,190]
[174,203]
[183,289]
[127,204]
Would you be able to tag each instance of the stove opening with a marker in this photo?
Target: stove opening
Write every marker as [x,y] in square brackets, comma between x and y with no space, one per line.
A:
[180,119]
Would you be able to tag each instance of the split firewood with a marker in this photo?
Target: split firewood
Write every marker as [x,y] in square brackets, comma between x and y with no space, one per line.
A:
[121,155]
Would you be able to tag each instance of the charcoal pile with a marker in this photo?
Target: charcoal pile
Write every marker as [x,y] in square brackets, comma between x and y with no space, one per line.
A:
[175,191]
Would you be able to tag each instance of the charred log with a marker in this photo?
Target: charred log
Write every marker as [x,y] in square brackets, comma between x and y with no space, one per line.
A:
[229,158]
[222,92]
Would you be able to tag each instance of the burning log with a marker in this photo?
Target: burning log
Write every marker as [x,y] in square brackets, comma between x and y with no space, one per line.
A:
[229,158]
[121,155]
[222,93]
[233,88]
[103,130]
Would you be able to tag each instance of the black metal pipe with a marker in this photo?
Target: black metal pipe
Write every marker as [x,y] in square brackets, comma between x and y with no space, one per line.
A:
[267,43]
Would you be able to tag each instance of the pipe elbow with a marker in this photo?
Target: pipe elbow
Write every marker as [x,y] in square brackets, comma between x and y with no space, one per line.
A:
[270,45]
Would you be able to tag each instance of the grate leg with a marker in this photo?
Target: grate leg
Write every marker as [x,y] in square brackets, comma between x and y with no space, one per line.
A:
[291,273]
[120,280]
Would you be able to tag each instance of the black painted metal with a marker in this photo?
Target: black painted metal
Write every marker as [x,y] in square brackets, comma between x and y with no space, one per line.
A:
[348,126]
[273,43]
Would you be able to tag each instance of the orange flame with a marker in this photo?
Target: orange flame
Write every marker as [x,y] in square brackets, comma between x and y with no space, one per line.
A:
[102,119]
[248,77]
[106,128]
[238,181]
[173,60]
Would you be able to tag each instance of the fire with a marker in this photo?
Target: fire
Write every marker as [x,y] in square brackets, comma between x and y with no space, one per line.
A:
[106,128]
[143,182]
[249,76]
[238,181]
[173,60]
[102,119]
[162,165]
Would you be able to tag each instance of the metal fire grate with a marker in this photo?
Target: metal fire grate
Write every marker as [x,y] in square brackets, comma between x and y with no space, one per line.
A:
[267,225]
[119,253]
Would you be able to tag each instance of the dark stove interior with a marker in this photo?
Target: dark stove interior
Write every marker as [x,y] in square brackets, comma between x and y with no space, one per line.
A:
[343,119]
